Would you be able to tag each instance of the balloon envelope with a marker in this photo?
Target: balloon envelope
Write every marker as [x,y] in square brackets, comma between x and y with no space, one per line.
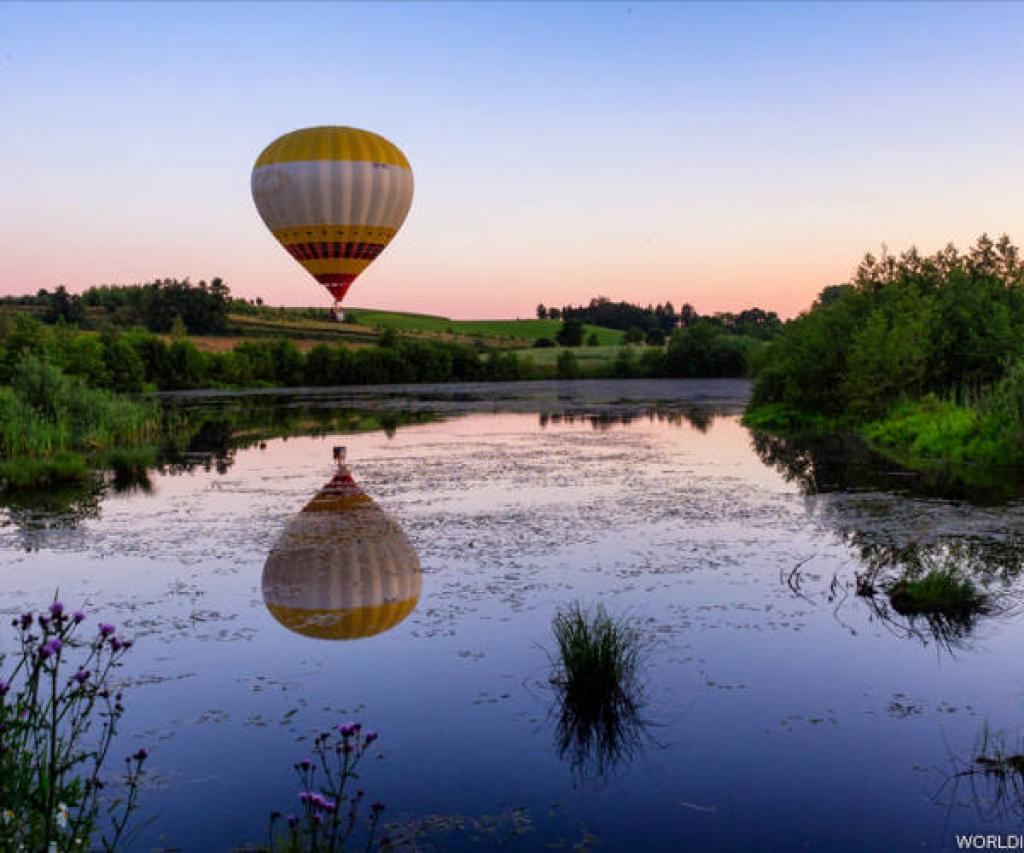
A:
[334,197]
[342,568]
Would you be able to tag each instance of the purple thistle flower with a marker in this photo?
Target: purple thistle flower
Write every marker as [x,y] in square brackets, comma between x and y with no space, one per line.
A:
[43,620]
[26,620]
[371,736]
[45,651]
[56,610]
[81,676]
[348,729]
[55,644]
[78,616]
[116,644]
[106,629]
[4,687]
[141,755]
[293,820]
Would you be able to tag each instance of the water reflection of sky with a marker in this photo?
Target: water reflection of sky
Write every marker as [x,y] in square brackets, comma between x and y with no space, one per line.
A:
[774,717]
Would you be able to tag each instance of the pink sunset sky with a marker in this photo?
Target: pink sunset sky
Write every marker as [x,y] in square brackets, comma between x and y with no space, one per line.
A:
[726,156]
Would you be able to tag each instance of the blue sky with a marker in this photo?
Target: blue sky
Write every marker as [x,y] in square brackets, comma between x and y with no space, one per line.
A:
[725,154]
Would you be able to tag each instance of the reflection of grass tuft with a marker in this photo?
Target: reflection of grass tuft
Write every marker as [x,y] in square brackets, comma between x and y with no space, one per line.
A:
[941,591]
[990,778]
[596,672]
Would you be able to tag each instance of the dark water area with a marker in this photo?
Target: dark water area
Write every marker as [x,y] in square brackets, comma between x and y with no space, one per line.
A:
[786,703]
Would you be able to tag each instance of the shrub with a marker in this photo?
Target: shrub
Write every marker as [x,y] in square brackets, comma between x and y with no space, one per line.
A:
[571,333]
[566,366]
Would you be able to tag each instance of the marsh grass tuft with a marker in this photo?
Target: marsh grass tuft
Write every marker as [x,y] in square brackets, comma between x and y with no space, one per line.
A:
[941,591]
[53,425]
[596,671]
[598,655]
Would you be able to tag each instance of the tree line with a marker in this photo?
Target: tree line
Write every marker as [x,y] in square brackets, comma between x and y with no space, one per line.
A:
[601,311]
[201,308]
[925,352]
[135,360]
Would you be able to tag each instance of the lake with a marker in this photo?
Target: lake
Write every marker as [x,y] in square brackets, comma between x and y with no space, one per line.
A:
[785,703]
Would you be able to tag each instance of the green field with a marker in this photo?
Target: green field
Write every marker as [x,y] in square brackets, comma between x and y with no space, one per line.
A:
[592,361]
[521,330]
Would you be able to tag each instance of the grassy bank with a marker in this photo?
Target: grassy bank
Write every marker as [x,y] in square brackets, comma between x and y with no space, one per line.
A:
[920,435]
[922,356]
[53,427]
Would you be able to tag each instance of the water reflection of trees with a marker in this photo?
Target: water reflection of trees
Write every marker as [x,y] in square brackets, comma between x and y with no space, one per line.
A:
[829,463]
[902,542]
[698,417]
[201,438]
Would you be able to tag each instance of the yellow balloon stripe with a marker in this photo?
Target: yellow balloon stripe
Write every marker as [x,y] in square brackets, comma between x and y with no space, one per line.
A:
[325,502]
[338,265]
[332,143]
[343,624]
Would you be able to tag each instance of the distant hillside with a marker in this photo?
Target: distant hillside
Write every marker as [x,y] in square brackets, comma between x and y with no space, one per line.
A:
[511,330]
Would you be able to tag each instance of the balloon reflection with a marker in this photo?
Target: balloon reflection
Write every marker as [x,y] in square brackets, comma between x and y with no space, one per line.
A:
[342,568]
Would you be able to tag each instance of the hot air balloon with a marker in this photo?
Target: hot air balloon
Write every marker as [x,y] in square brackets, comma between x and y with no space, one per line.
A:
[342,568]
[334,197]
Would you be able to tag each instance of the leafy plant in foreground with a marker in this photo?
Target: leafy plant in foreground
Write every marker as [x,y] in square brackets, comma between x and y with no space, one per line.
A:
[58,717]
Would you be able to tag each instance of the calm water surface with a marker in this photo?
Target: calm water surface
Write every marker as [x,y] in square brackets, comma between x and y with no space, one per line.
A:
[780,709]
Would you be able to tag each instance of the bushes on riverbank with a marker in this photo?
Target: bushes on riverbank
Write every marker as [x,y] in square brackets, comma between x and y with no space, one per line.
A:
[921,353]
[50,421]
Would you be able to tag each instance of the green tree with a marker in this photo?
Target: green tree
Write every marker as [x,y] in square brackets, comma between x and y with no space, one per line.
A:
[625,362]
[125,367]
[571,333]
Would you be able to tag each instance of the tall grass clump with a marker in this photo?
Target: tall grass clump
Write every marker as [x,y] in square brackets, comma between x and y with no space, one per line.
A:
[596,672]
[598,655]
[49,419]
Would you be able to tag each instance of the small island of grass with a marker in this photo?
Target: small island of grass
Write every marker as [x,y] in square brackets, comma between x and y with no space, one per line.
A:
[941,591]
